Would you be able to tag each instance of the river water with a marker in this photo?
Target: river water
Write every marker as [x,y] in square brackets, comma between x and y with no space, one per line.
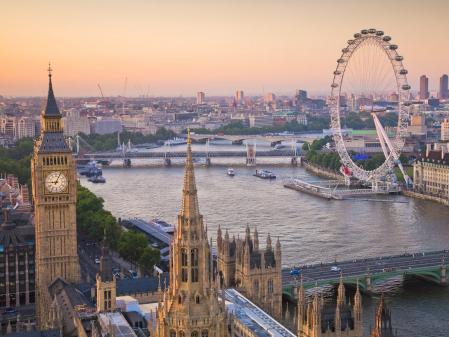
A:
[311,229]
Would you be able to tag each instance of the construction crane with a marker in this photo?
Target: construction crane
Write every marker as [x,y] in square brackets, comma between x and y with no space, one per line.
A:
[101,91]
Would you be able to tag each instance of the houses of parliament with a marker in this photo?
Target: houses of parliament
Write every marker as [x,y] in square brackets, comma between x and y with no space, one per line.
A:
[238,293]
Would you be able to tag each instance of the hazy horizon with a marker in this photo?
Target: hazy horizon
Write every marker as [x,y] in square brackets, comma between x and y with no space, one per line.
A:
[176,48]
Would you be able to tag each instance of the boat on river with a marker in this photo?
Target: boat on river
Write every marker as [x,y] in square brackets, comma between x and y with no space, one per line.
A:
[265,174]
[231,172]
[98,179]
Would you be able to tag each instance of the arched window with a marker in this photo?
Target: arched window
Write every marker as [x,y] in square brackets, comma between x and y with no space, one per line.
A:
[184,263]
[179,299]
[270,286]
[194,262]
[172,333]
[256,287]
[204,333]
[197,299]
[182,334]
[194,334]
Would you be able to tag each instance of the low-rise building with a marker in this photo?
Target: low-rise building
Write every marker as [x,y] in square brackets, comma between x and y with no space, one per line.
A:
[431,171]
[261,121]
[74,123]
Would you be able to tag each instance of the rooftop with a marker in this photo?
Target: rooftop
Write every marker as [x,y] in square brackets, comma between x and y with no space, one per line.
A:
[254,318]
[117,323]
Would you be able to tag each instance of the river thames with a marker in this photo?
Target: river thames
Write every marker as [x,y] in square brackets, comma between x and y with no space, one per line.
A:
[311,229]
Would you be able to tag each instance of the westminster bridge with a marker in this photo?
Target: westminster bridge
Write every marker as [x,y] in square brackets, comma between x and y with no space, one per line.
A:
[429,266]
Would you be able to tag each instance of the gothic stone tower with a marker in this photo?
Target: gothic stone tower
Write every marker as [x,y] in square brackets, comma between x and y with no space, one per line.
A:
[190,306]
[106,283]
[53,173]
[254,271]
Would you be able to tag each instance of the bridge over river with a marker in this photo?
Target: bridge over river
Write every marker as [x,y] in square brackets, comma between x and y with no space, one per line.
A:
[370,272]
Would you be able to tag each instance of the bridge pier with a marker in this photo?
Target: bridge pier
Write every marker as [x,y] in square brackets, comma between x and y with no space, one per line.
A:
[443,278]
[126,162]
[250,154]
[368,284]
[167,162]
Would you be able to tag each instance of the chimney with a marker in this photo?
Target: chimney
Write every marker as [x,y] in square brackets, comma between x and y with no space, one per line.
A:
[443,152]
[428,149]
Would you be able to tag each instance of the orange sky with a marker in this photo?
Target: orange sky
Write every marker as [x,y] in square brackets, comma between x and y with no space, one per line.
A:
[180,47]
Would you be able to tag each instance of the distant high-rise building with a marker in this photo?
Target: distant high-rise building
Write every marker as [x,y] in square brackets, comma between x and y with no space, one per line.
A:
[200,96]
[444,90]
[445,130]
[239,96]
[269,98]
[423,87]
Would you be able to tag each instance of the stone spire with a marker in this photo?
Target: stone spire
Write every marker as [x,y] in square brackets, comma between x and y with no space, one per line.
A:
[301,308]
[256,239]
[105,261]
[382,326]
[341,297]
[189,209]
[247,233]
[358,325]
[51,109]
[268,242]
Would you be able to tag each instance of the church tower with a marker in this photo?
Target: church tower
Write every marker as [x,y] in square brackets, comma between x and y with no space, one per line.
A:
[53,173]
[191,307]
[106,283]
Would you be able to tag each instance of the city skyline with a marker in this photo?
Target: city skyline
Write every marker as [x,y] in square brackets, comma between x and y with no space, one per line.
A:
[179,48]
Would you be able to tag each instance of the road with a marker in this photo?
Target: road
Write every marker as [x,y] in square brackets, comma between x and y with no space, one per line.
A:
[88,252]
[320,272]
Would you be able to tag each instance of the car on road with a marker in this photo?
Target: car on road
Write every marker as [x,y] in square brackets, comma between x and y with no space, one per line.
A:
[9,311]
[295,271]
[97,260]
[335,268]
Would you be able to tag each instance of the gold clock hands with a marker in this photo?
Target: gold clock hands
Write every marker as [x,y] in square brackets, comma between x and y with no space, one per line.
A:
[57,179]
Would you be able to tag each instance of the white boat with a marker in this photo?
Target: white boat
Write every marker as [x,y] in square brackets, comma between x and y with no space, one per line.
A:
[162,225]
[175,141]
[231,172]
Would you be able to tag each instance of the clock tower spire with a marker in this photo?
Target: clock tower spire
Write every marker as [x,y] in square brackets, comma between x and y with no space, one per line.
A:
[53,174]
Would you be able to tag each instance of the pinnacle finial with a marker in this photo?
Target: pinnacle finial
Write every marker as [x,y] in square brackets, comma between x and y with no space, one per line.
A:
[189,141]
[49,69]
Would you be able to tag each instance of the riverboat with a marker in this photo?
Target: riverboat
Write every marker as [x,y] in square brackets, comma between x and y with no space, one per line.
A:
[231,172]
[265,174]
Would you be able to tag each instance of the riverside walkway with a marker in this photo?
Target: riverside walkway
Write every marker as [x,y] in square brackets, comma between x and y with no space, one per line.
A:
[369,272]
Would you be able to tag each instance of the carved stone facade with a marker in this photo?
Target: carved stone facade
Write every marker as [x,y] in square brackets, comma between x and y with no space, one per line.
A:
[318,319]
[253,271]
[190,307]
[53,172]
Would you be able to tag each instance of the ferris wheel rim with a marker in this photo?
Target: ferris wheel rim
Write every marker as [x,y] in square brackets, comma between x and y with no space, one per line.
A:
[403,90]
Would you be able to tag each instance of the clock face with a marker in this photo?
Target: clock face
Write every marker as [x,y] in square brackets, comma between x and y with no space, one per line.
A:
[56,182]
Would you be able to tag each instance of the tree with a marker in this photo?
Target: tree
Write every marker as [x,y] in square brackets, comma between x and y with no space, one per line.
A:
[131,245]
[93,220]
[149,258]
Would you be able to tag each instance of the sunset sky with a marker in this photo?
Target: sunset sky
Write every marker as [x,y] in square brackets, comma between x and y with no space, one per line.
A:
[184,46]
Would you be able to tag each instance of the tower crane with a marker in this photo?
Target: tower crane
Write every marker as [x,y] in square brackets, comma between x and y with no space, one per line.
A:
[101,91]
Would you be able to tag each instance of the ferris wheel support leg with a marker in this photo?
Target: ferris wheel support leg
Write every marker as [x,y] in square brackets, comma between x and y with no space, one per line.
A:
[380,135]
[390,146]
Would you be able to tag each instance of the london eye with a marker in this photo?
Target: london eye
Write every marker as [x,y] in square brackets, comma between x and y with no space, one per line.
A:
[370,85]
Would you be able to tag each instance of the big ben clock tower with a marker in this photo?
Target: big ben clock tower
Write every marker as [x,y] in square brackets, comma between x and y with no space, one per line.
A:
[53,172]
